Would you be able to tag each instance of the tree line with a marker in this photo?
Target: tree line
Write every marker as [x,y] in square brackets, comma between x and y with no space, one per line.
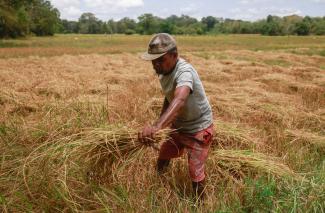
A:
[20,18]
[147,24]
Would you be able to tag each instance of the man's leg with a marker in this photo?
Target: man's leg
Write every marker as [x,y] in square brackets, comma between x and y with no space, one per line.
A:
[198,188]
[170,149]
[197,155]
[162,165]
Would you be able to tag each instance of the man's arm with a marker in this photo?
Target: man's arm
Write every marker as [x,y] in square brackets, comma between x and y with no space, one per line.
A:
[164,107]
[174,108]
[168,116]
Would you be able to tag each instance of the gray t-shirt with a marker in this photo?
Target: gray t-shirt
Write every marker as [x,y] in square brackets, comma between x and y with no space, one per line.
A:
[196,114]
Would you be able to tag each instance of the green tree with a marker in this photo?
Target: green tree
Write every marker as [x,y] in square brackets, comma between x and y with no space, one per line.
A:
[246,27]
[111,25]
[209,22]
[45,19]
[302,28]
[69,26]
[318,26]
[271,26]
[89,24]
[167,26]
[20,17]
[196,28]
[288,24]
[182,25]
[148,24]
[126,26]
[104,28]
[9,25]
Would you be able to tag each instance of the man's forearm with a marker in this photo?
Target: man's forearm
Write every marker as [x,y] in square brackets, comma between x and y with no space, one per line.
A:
[164,107]
[170,114]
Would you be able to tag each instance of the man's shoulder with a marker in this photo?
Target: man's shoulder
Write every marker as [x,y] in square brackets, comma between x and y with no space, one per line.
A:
[183,66]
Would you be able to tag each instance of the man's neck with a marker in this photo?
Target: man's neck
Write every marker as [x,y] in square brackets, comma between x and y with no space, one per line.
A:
[172,68]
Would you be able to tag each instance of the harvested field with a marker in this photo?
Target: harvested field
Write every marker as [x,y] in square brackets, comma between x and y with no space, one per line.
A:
[268,153]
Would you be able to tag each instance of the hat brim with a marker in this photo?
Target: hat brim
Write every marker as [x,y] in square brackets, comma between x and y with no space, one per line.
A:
[150,57]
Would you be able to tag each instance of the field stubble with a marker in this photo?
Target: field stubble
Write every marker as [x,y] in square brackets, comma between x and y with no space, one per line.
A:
[267,155]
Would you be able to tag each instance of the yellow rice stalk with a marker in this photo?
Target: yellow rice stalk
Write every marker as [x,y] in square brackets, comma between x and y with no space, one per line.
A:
[245,160]
[228,134]
[306,137]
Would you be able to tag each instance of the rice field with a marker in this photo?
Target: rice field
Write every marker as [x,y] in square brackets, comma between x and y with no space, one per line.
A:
[71,106]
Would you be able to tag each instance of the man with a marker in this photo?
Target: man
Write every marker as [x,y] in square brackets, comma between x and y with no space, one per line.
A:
[186,109]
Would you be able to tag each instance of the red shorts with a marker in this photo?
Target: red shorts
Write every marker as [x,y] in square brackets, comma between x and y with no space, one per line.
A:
[197,146]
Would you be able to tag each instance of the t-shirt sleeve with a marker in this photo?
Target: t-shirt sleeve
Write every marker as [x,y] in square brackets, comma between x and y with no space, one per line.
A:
[185,79]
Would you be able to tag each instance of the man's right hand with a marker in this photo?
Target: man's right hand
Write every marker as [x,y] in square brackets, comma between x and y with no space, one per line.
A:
[147,135]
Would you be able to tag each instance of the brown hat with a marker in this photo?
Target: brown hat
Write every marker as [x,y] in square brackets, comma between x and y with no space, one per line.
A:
[159,45]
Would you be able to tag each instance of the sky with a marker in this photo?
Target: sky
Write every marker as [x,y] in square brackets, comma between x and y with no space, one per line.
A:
[250,10]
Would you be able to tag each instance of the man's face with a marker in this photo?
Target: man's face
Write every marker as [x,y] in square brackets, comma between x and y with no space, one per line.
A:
[165,63]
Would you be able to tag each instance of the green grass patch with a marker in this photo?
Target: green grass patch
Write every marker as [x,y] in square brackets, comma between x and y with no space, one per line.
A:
[322,53]
[259,195]
[84,44]
[267,195]
[277,62]
[211,55]
[318,51]
[12,43]
[2,199]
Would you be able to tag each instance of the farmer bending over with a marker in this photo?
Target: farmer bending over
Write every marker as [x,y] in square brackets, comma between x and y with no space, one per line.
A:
[186,109]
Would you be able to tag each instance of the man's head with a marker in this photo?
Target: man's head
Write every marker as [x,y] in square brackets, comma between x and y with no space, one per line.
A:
[162,52]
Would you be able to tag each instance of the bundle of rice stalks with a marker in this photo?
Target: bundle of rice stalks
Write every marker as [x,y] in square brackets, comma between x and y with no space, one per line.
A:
[240,163]
[306,137]
[90,156]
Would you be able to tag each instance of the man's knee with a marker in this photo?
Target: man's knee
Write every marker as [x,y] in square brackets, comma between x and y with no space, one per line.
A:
[197,172]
